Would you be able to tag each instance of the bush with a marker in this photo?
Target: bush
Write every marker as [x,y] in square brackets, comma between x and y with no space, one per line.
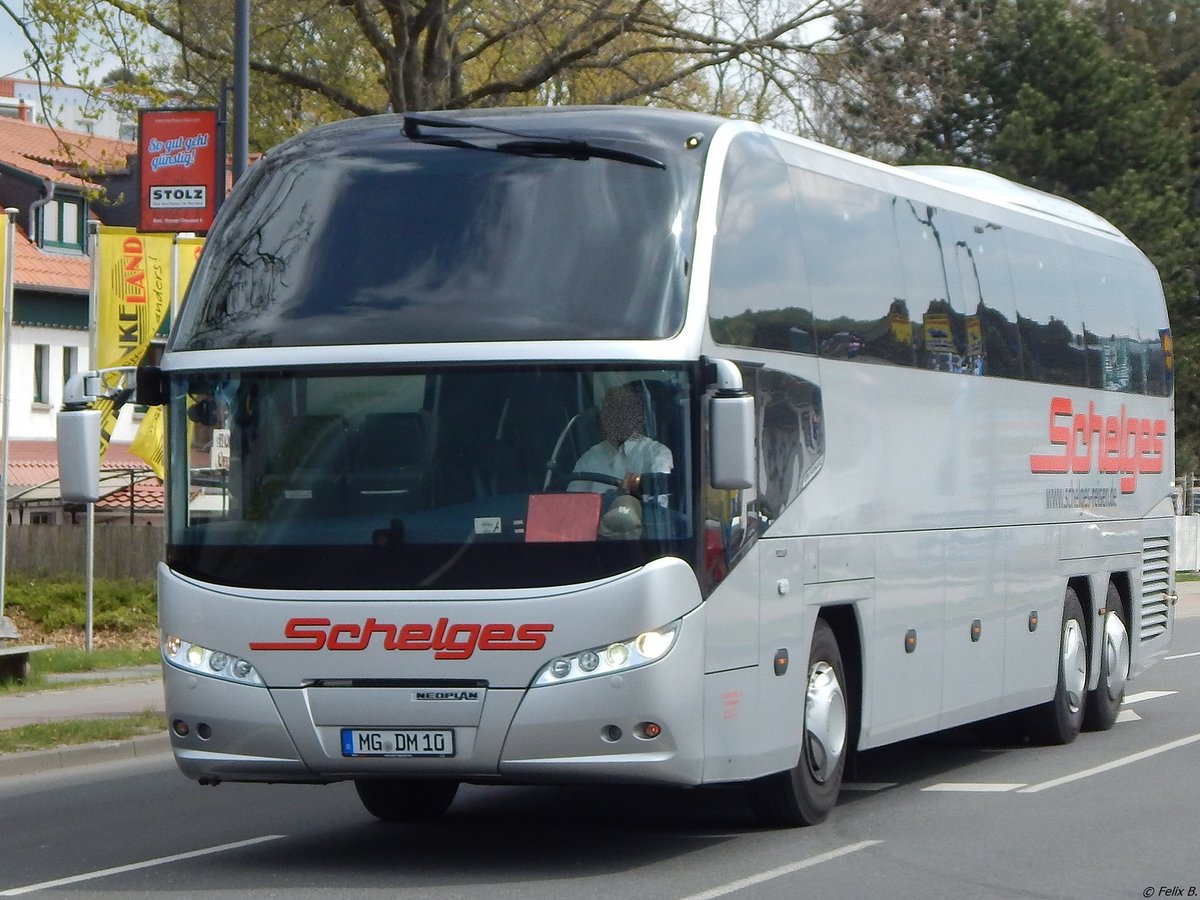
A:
[122,605]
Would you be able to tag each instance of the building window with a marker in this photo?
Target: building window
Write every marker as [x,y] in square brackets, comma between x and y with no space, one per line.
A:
[41,373]
[62,223]
[41,518]
[70,363]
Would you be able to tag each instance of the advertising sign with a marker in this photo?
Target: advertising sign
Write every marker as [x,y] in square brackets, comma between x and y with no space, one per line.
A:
[177,169]
[133,295]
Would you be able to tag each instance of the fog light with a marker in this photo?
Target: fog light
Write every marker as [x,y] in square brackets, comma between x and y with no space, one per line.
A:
[651,730]
[180,728]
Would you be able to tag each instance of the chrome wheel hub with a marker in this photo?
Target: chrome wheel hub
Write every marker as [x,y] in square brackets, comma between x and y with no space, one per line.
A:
[824,721]
[1116,655]
[1074,663]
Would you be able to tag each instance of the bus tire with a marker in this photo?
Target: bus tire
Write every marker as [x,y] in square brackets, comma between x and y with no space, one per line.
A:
[1104,702]
[405,800]
[806,793]
[1060,720]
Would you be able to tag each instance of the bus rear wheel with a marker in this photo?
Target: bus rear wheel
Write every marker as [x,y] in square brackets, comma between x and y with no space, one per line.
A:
[1060,720]
[806,793]
[1104,702]
[405,800]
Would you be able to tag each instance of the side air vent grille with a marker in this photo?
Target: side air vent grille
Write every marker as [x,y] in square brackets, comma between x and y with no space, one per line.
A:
[1156,585]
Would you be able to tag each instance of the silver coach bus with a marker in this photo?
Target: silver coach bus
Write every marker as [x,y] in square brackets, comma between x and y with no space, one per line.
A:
[624,445]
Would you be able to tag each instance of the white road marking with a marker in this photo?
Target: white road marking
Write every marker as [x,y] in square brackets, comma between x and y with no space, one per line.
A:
[1148,695]
[133,867]
[752,880]
[1128,715]
[1109,766]
[1182,656]
[967,787]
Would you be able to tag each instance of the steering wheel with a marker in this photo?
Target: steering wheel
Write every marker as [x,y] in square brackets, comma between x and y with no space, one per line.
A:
[565,478]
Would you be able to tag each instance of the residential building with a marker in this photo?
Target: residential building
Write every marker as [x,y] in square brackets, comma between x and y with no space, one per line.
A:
[66,106]
[57,181]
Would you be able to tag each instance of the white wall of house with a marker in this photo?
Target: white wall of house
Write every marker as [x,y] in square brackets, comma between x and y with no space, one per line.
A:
[32,417]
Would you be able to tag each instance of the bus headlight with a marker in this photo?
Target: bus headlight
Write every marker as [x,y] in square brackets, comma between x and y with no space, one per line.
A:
[619,656]
[203,661]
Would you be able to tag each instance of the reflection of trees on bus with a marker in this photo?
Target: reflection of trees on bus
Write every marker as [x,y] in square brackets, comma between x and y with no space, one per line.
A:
[978,309]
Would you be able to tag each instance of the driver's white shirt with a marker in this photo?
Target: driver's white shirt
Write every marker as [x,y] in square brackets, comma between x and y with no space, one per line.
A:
[638,454]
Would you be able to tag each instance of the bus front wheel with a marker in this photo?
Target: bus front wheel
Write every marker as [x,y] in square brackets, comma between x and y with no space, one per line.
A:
[806,793]
[1060,720]
[405,800]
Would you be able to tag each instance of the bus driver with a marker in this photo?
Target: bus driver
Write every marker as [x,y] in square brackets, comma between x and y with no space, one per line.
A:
[626,451]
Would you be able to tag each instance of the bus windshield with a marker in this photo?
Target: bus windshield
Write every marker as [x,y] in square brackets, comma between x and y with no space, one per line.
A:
[470,478]
[369,238]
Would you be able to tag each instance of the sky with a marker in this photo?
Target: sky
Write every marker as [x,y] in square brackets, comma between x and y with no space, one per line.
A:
[12,47]
[14,44]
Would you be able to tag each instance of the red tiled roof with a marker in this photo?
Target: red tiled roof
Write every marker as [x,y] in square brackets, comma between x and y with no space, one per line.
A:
[32,463]
[56,154]
[147,496]
[37,268]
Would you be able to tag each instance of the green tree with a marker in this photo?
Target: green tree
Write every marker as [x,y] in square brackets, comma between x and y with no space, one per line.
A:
[1044,97]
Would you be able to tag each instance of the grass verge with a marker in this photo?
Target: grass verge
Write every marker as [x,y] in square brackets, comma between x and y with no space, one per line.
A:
[44,736]
[125,635]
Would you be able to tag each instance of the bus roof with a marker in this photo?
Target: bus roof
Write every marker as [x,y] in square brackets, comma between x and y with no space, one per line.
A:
[995,189]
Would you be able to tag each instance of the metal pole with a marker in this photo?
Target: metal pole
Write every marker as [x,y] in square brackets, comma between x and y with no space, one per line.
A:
[6,280]
[90,555]
[241,87]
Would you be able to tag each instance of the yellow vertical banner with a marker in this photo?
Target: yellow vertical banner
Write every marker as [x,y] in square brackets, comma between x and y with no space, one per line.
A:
[147,444]
[133,294]
[187,254]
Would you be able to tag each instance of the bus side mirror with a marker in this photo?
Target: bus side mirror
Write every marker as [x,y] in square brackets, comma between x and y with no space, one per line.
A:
[79,455]
[730,430]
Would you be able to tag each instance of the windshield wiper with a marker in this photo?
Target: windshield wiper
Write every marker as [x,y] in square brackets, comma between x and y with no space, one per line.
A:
[524,145]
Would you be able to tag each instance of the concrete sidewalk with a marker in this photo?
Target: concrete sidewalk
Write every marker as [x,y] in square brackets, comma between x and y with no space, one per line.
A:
[124,692]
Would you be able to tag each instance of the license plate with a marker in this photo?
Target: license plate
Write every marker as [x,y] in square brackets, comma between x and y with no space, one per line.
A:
[397,742]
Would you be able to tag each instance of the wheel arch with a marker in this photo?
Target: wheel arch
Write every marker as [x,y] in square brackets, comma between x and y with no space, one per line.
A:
[1082,585]
[843,620]
[1123,583]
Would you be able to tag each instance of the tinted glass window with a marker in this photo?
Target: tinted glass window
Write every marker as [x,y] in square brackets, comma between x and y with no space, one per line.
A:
[1114,359]
[927,250]
[516,476]
[1047,309]
[757,293]
[1154,341]
[383,240]
[992,341]
[854,265]
[791,437]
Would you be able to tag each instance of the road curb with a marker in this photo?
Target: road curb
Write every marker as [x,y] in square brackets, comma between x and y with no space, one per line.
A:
[71,755]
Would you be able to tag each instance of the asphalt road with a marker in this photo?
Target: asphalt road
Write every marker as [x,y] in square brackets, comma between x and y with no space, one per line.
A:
[1112,816]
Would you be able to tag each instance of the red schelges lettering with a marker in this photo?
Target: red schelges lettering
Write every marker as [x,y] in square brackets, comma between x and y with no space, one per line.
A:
[447,640]
[1115,445]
